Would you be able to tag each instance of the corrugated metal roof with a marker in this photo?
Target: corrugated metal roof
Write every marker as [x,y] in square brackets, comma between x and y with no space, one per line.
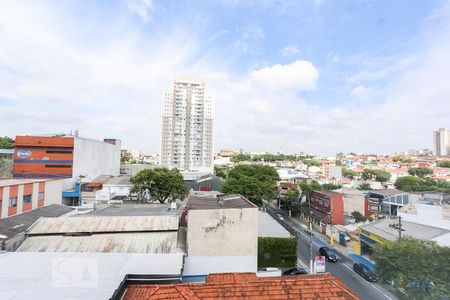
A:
[143,242]
[118,181]
[105,224]
[414,230]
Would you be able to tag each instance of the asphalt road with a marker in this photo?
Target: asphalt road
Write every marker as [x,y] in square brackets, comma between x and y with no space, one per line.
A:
[342,269]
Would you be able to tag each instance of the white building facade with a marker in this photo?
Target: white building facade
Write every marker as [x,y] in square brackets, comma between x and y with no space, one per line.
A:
[441,141]
[187,126]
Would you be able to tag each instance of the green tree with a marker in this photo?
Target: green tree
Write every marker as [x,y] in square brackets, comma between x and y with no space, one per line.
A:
[161,184]
[330,186]
[241,157]
[254,182]
[221,171]
[360,217]
[349,173]
[125,157]
[292,196]
[443,164]
[6,142]
[420,172]
[376,174]
[417,269]
[307,188]
[364,187]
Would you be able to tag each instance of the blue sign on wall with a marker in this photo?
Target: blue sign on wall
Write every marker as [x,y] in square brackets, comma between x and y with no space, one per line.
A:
[23,154]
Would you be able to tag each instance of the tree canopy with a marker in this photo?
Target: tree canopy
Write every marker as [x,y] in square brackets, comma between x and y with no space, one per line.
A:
[420,171]
[443,164]
[401,159]
[241,157]
[254,182]
[417,184]
[160,184]
[417,269]
[6,142]
[376,174]
[307,188]
[364,187]
[125,157]
[349,173]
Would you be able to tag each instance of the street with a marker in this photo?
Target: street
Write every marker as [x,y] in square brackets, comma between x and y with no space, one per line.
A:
[342,269]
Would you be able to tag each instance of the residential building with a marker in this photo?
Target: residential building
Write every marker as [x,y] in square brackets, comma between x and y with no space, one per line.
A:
[242,286]
[22,195]
[222,234]
[187,126]
[441,140]
[6,163]
[65,156]
[327,208]
[355,200]
[15,227]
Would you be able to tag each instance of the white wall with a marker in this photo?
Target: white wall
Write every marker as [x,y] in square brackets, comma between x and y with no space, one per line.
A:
[53,192]
[93,158]
[430,215]
[204,265]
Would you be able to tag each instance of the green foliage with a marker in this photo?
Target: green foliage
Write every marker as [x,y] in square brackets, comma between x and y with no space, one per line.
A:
[253,182]
[6,143]
[364,187]
[241,157]
[417,184]
[307,188]
[125,157]
[311,162]
[338,163]
[401,159]
[161,184]
[443,164]
[221,171]
[277,252]
[359,217]
[420,172]
[349,173]
[376,174]
[292,195]
[330,186]
[417,269]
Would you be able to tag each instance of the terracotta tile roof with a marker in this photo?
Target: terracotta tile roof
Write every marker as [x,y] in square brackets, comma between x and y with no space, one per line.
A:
[247,286]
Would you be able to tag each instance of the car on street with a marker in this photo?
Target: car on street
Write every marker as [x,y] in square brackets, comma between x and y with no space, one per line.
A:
[365,272]
[269,272]
[295,271]
[280,216]
[328,253]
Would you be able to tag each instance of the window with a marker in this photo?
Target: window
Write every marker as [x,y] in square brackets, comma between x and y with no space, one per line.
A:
[27,199]
[13,202]
[58,166]
[41,196]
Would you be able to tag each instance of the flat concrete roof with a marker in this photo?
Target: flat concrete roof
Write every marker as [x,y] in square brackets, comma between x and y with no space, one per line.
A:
[135,210]
[218,202]
[14,181]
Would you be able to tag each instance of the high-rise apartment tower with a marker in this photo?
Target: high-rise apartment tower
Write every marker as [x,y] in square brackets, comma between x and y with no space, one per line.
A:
[187,126]
[441,140]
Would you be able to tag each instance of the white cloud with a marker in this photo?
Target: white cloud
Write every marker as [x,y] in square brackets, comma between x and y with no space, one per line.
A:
[362,92]
[142,8]
[299,75]
[289,51]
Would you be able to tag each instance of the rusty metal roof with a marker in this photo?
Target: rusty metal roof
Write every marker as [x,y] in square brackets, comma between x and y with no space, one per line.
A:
[104,224]
[142,242]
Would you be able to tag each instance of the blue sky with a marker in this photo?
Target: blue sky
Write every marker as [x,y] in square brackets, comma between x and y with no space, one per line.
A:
[318,76]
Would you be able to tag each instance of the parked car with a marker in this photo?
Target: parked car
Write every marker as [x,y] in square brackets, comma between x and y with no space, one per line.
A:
[269,272]
[328,253]
[365,272]
[280,216]
[295,271]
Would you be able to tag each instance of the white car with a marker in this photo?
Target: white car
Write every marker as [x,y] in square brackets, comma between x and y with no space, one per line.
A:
[269,272]
[280,216]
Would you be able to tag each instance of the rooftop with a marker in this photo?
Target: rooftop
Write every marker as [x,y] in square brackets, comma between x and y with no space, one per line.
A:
[219,202]
[13,181]
[134,210]
[387,192]
[118,181]
[17,224]
[418,231]
[268,227]
[247,285]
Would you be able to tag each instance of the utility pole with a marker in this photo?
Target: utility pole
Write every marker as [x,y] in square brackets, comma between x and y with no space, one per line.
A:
[310,237]
[398,227]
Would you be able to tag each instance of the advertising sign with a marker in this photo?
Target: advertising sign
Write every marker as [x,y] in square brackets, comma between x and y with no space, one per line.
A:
[319,264]
[23,154]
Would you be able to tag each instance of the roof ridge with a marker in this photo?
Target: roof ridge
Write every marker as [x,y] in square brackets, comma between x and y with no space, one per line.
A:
[187,293]
[342,286]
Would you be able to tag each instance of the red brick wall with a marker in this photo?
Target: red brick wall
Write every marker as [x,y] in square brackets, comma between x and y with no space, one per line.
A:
[337,209]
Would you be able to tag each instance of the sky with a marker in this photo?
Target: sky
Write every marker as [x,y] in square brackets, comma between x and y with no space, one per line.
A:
[315,76]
